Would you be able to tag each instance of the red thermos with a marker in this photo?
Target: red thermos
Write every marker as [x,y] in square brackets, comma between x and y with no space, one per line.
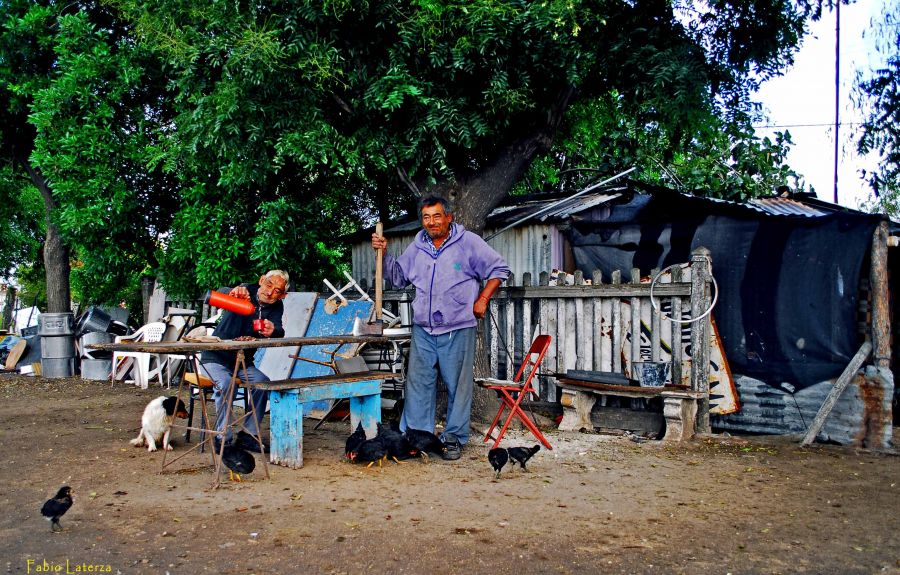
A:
[225,301]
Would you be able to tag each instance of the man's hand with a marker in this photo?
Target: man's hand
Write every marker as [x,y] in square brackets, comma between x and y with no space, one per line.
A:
[378,242]
[480,307]
[268,328]
[240,292]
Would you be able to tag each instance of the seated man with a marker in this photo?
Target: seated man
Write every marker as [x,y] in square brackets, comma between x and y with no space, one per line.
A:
[219,365]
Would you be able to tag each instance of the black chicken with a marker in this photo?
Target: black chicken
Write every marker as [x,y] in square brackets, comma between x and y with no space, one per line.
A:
[396,444]
[498,458]
[56,507]
[522,454]
[424,442]
[370,450]
[356,438]
[238,462]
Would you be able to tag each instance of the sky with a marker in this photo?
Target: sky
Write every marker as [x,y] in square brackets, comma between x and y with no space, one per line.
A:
[803,103]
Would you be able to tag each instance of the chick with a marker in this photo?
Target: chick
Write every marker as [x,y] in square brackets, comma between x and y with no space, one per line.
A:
[238,461]
[522,454]
[56,507]
[498,458]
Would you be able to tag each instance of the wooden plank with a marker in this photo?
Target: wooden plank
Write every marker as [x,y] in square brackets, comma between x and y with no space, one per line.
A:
[655,328]
[494,339]
[617,390]
[583,348]
[597,376]
[616,326]
[675,336]
[276,363]
[619,418]
[321,380]
[636,330]
[848,374]
[511,364]
[235,345]
[605,290]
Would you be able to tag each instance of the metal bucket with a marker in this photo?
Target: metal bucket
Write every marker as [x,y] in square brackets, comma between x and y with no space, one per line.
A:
[97,369]
[96,319]
[650,373]
[57,344]
[91,338]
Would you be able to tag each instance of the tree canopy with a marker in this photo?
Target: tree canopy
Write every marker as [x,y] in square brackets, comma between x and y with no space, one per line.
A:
[878,92]
[204,142]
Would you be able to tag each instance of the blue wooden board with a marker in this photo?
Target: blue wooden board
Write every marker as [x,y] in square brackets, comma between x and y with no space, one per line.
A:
[320,324]
[276,362]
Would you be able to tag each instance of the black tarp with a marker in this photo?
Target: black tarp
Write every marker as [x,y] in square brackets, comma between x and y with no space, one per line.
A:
[788,285]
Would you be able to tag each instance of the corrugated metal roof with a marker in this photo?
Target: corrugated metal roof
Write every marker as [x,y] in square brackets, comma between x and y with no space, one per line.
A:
[785,207]
[533,210]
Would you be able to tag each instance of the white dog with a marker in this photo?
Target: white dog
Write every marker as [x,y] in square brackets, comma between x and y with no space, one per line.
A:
[156,423]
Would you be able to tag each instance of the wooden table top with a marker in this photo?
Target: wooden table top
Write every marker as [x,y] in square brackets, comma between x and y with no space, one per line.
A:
[184,347]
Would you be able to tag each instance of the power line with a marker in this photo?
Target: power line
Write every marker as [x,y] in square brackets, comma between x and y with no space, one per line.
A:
[823,124]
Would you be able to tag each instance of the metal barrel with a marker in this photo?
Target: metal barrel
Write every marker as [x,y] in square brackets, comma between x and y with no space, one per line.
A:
[91,338]
[96,368]
[57,344]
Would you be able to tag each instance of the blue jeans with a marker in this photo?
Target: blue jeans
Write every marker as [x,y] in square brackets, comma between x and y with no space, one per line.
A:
[452,356]
[221,375]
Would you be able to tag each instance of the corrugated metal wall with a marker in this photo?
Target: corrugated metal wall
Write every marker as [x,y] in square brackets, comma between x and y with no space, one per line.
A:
[529,248]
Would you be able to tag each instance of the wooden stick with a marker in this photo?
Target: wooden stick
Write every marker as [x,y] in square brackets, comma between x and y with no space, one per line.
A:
[836,392]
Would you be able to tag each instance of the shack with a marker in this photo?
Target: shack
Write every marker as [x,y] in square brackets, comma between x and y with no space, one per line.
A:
[800,285]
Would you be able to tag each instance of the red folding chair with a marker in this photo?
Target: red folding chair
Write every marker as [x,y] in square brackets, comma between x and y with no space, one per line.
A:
[511,393]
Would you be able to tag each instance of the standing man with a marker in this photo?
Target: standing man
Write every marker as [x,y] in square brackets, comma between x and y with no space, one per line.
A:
[219,365]
[447,264]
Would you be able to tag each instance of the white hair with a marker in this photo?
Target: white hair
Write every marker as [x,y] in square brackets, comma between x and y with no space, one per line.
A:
[279,273]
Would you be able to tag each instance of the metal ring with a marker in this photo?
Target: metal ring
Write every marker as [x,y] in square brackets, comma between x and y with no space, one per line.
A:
[657,309]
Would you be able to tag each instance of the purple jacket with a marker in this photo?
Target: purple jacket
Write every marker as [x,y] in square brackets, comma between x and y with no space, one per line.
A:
[447,284]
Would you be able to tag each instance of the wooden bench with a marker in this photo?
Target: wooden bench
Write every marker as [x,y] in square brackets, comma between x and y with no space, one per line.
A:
[287,398]
[679,405]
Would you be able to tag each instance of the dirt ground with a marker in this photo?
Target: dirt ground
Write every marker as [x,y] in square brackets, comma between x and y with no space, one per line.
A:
[595,503]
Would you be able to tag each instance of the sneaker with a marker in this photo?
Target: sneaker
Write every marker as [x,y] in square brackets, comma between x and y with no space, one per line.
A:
[248,442]
[453,450]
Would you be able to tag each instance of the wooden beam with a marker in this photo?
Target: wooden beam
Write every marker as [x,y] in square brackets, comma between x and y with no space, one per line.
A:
[881,313]
[835,393]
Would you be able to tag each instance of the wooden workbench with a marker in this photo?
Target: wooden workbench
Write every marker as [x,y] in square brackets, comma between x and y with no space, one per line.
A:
[288,397]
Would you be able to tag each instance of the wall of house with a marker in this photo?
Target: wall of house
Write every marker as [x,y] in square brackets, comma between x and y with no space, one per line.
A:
[527,249]
[862,415]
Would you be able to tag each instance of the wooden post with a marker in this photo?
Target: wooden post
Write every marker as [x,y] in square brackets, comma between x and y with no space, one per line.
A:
[701,270]
[836,391]
[881,314]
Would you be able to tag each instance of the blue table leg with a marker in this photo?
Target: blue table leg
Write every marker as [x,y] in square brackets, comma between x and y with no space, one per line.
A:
[286,423]
[366,409]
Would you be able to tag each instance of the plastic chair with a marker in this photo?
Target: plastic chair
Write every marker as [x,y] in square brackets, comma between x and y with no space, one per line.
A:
[512,392]
[139,362]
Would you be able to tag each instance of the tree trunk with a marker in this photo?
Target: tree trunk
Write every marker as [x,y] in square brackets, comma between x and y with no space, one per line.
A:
[8,308]
[56,253]
[474,195]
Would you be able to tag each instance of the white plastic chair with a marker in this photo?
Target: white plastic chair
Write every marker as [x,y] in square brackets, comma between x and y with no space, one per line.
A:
[150,333]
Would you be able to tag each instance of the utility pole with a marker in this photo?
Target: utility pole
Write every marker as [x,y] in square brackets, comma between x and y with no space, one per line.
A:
[837,92]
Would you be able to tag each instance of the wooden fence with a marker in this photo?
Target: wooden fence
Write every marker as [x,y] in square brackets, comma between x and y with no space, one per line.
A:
[592,325]
[593,322]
